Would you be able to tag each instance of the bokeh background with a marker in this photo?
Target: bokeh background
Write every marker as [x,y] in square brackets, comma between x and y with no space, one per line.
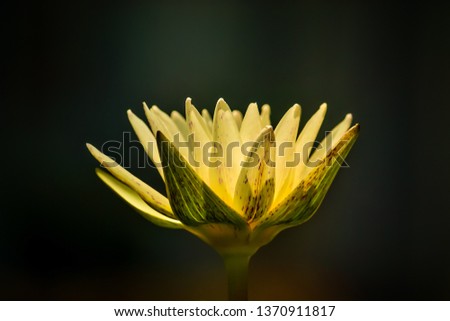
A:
[71,70]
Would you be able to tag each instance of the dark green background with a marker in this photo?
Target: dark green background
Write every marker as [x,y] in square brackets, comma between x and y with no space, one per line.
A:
[71,70]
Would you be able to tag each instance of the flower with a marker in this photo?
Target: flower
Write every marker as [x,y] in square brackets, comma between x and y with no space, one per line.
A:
[234,181]
[236,204]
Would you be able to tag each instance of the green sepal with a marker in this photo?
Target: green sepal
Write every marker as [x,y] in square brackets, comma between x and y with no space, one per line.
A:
[192,201]
[301,204]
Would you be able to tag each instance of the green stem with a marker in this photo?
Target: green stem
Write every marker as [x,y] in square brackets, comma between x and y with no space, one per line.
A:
[237,272]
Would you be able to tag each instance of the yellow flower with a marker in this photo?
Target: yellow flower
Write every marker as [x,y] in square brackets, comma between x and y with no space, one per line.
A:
[233,181]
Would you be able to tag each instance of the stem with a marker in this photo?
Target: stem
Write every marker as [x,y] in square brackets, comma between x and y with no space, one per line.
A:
[237,272]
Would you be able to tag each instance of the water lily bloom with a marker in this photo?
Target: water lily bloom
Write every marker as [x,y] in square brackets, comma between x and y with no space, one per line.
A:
[232,180]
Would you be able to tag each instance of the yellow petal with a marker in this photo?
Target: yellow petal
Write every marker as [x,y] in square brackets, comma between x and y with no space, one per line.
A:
[256,182]
[180,122]
[251,124]
[226,168]
[199,138]
[148,194]
[285,135]
[237,115]
[265,115]
[160,121]
[208,120]
[191,110]
[217,172]
[147,140]
[305,143]
[220,105]
[331,140]
[132,198]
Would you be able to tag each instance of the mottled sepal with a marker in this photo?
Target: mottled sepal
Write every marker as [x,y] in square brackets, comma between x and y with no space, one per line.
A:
[304,200]
[192,201]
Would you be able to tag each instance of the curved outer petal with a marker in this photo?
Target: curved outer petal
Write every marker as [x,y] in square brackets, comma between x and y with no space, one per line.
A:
[255,185]
[148,194]
[305,199]
[132,198]
[193,202]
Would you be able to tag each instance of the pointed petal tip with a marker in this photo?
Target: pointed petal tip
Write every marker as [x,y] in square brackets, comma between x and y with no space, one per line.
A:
[175,112]
[92,149]
[98,155]
[224,104]
[188,105]
[145,106]
[297,110]
[221,105]
[100,172]
[353,131]
[265,107]
[323,107]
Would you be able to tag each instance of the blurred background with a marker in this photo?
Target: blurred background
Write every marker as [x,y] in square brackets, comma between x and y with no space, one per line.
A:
[72,69]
